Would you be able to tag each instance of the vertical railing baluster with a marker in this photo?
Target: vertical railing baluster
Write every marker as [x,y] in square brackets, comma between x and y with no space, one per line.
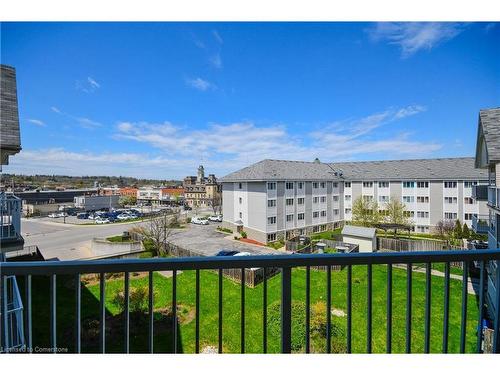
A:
[428,286]
[369,310]
[102,309]
[446,306]
[29,312]
[197,322]
[53,312]
[463,325]
[264,313]
[220,310]
[349,309]
[496,334]
[4,312]
[286,310]
[308,309]
[78,314]
[174,311]
[328,309]
[389,309]
[481,308]
[151,311]
[242,329]
[126,293]
[408,306]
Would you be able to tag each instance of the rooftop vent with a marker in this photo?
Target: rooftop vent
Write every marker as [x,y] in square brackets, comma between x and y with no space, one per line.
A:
[317,161]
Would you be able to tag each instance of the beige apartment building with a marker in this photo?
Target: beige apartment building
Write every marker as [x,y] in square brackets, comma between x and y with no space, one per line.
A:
[201,191]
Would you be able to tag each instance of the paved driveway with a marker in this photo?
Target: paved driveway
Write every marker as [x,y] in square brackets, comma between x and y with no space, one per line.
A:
[205,240]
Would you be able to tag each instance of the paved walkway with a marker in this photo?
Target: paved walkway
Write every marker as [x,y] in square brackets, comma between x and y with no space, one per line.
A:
[472,284]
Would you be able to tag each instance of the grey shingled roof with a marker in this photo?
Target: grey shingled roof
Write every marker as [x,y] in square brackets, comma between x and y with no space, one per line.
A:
[413,169]
[351,230]
[10,138]
[489,120]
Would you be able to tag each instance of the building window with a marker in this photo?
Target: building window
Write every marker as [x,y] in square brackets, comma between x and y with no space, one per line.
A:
[335,198]
[347,184]
[289,218]
[408,184]
[450,215]
[271,237]
[289,185]
[241,215]
[348,211]
[271,203]
[450,200]
[322,185]
[423,184]
[271,220]
[383,212]
[300,216]
[383,198]
[240,185]
[316,229]
[409,213]
[315,185]
[335,185]
[271,186]
[469,184]
[301,185]
[423,214]
[468,200]
[335,211]
[323,199]
[408,198]
[315,214]
[240,200]
[289,201]
[422,199]
[322,228]
[347,198]
[300,201]
[450,184]
[315,199]
[383,184]
[368,198]
[323,213]
[468,216]
[367,184]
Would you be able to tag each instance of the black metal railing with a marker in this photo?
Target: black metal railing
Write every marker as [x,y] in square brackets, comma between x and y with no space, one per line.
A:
[286,263]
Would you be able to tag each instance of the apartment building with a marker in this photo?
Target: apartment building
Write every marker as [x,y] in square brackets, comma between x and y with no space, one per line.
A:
[488,159]
[281,199]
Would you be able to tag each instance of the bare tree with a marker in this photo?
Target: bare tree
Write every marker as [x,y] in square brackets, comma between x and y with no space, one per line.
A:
[444,229]
[216,203]
[158,230]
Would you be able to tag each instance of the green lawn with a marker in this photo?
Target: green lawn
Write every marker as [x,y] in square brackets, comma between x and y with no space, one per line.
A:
[253,311]
[328,235]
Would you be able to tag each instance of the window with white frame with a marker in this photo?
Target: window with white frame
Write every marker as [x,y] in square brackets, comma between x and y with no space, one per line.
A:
[450,184]
[335,198]
[289,185]
[423,184]
[300,216]
[383,198]
[289,218]
[315,185]
[468,216]
[322,185]
[468,200]
[347,198]
[335,211]
[301,185]
[241,215]
[348,211]
[450,215]
[323,213]
[408,198]
[368,198]
[423,214]
[240,200]
[367,184]
[408,184]
[315,214]
[300,201]
[383,184]
[422,199]
[271,186]
[240,186]
[271,220]
[315,199]
[469,184]
[450,200]
[335,185]
[289,201]
[409,213]
[347,184]
[271,203]
[323,199]
[271,237]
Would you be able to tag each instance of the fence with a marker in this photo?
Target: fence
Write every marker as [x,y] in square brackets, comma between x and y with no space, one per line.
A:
[284,262]
[397,244]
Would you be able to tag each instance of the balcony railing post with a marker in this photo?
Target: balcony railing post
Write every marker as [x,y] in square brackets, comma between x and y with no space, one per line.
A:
[286,310]
[496,335]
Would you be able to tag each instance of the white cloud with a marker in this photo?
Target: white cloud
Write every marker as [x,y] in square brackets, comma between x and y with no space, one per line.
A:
[36,122]
[216,61]
[55,109]
[217,37]
[200,84]
[412,37]
[89,86]
[93,83]
[82,121]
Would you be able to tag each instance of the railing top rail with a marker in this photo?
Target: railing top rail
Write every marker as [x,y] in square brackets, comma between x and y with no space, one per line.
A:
[279,261]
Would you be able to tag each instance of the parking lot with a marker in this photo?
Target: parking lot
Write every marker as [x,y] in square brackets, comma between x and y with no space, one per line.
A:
[205,240]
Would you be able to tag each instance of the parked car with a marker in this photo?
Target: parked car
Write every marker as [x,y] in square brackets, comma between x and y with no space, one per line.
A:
[217,218]
[82,215]
[92,216]
[199,220]
[242,254]
[187,208]
[62,214]
[226,253]
[54,215]
[102,220]
[123,217]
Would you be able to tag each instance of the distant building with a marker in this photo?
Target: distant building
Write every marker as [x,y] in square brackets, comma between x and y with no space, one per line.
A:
[160,196]
[128,192]
[96,202]
[201,191]
[114,190]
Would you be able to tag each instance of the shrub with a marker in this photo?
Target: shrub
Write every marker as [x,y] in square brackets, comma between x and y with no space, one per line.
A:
[465,231]
[137,299]
[243,234]
[226,230]
[188,220]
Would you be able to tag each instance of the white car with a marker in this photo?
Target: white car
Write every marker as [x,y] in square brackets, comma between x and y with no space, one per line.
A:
[123,217]
[53,215]
[199,220]
[102,221]
[217,218]
[62,214]
[242,254]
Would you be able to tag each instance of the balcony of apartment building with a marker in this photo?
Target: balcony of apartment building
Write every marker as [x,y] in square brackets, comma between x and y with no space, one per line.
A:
[10,223]
[480,223]
[359,298]
[494,197]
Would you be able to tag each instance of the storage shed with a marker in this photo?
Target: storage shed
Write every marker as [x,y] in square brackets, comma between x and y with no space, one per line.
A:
[365,238]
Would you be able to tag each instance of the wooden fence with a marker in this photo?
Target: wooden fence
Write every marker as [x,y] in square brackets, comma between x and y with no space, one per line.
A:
[397,244]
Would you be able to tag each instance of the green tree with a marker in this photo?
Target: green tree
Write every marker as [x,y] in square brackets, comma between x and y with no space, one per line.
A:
[127,200]
[396,212]
[457,230]
[365,212]
[465,231]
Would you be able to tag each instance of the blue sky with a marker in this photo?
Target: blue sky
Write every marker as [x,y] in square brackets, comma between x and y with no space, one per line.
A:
[157,99]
